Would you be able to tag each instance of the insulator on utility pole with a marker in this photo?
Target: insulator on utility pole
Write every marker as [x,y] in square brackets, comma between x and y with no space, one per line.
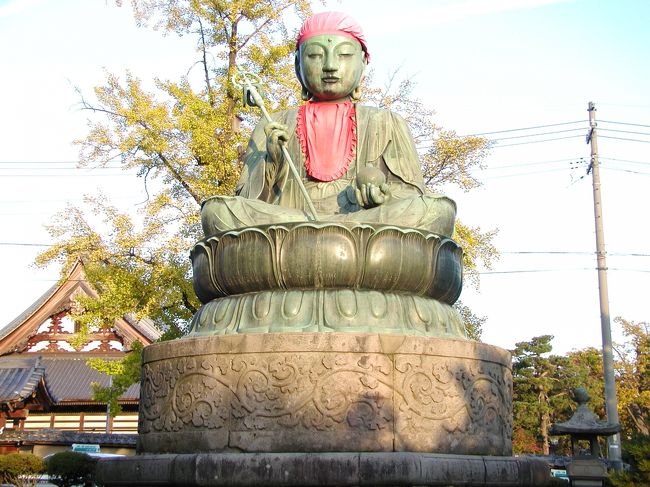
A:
[614,442]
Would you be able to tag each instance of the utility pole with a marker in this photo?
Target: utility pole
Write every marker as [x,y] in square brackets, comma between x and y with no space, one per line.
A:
[613,442]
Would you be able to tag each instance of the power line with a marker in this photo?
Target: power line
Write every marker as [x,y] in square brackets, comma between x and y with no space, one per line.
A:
[63,175]
[518,143]
[117,197]
[629,270]
[528,271]
[532,271]
[22,168]
[515,252]
[517,130]
[480,134]
[625,131]
[625,123]
[537,134]
[646,163]
[24,244]
[527,173]
[537,141]
[620,169]
[623,138]
[120,167]
[521,271]
[39,162]
[573,252]
[523,128]
[524,164]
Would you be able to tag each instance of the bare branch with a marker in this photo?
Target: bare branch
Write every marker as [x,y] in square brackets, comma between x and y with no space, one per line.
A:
[253,34]
[188,304]
[211,97]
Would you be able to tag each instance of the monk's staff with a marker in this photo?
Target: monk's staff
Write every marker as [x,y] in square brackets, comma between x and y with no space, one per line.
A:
[252,97]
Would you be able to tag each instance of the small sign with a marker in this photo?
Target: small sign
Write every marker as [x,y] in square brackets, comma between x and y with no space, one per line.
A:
[85,448]
[559,474]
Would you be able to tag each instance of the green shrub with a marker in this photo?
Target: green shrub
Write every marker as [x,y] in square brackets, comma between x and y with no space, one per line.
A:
[69,468]
[20,469]
[636,452]
[555,482]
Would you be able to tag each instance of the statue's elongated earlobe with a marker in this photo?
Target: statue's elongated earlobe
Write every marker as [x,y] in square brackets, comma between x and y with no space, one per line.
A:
[356,94]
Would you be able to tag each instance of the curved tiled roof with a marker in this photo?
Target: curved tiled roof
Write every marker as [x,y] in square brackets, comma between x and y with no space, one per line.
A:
[69,380]
[144,326]
[19,377]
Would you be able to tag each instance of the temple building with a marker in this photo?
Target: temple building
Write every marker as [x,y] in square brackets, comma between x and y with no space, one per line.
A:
[46,400]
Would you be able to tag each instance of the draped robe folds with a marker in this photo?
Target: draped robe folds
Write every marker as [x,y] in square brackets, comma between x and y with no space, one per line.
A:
[269,194]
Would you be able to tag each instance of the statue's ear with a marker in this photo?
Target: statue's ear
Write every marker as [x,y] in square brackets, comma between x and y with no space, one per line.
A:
[297,67]
[356,93]
[305,95]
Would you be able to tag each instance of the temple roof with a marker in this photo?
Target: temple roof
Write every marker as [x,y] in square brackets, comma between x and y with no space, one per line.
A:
[15,336]
[19,377]
[68,381]
[144,326]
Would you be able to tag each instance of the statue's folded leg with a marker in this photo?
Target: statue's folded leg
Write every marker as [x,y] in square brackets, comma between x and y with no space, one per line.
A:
[436,214]
[222,213]
[433,213]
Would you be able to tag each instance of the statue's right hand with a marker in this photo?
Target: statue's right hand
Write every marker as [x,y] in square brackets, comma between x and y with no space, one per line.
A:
[276,135]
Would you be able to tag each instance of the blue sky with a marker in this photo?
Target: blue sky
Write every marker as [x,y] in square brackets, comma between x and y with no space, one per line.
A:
[483,65]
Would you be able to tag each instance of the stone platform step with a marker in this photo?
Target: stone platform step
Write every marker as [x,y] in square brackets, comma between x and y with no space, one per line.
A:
[321,469]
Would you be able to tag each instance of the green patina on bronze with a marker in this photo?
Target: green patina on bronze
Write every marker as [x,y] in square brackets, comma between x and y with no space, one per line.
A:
[331,329]
[378,258]
[312,277]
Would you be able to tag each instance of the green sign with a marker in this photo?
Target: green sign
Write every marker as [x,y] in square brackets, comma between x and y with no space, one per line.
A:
[559,474]
[85,448]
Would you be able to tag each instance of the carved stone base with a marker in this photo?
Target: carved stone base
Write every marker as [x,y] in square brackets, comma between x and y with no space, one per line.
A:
[322,469]
[317,392]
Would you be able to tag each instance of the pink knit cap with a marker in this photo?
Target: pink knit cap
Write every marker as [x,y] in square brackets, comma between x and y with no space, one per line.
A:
[335,23]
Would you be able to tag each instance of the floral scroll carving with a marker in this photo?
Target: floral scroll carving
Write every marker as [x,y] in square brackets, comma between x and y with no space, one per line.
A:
[262,392]
[286,401]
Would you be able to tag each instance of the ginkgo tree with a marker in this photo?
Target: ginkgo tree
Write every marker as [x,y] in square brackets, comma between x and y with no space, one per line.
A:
[186,138]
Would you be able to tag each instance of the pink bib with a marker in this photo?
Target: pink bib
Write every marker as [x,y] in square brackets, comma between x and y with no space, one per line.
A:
[328,138]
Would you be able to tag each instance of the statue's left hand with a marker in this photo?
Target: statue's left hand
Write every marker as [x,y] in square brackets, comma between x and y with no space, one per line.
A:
[371,195]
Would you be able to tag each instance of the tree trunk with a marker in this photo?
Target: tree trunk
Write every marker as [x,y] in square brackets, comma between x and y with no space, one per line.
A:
[544,426]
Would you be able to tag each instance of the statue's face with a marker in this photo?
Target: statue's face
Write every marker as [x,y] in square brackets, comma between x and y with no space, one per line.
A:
[331,66]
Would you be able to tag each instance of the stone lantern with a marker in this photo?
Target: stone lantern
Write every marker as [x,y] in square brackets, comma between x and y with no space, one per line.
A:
[587,468]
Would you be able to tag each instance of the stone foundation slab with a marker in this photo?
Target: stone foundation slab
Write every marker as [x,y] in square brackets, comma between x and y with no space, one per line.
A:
[321,469]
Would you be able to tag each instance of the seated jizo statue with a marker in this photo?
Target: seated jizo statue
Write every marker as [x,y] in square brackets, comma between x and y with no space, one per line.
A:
[358,163]
[376,255]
